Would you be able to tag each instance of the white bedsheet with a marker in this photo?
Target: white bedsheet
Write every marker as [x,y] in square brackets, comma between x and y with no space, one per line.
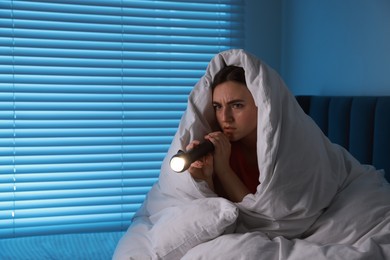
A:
[315,201]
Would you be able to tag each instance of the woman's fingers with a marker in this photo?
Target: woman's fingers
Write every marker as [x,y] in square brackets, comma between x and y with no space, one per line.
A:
[192,144]
[219,140]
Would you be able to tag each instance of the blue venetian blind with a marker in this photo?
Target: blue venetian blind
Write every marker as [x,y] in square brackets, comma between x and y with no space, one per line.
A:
[92,92]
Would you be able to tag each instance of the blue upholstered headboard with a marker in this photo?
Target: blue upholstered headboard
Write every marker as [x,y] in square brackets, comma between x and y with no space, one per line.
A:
[361,124]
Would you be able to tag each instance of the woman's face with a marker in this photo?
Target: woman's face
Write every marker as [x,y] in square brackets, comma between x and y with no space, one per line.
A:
[235,110]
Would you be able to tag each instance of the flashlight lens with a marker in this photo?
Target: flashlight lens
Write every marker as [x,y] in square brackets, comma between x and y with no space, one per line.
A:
[177,164]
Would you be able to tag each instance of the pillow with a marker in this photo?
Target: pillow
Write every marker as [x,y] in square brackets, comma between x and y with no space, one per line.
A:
[177,229]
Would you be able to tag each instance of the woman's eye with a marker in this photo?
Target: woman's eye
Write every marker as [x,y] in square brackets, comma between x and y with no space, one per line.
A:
[216,106]
[238,105]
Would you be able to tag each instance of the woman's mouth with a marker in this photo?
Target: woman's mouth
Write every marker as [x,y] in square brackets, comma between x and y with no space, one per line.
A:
[228,130]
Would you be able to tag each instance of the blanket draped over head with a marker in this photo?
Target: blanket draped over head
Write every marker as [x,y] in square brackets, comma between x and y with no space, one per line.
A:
[314,201]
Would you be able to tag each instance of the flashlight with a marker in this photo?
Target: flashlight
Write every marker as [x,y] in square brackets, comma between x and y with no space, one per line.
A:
[182,160]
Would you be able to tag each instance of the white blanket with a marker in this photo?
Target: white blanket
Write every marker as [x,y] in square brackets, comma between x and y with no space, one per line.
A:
[314,201]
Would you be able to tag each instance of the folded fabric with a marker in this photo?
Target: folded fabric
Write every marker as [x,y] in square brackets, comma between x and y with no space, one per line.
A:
[314,200]
[173,231]
[176,230]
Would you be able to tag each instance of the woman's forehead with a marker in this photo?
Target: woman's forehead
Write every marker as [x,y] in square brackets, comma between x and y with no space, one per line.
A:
[230,90]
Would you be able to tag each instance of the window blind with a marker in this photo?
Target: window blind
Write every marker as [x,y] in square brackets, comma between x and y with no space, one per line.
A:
[92,92]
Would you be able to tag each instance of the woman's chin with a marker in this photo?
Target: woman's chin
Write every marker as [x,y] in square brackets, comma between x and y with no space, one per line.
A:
[232,138]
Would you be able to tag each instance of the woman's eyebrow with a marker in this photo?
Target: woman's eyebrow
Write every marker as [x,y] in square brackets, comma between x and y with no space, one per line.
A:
[236,101]
[230,102]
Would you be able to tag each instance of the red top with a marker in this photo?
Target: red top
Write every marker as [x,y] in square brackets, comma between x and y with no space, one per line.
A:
[248,174]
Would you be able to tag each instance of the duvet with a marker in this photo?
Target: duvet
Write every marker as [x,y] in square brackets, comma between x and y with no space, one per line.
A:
[314,201]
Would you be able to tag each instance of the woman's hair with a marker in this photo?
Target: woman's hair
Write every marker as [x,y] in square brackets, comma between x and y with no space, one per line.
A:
[229,73]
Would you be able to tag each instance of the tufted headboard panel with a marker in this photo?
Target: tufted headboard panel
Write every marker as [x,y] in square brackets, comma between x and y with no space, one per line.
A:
[359,123]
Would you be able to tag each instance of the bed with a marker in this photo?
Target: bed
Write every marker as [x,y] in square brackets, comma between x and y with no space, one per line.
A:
[176,230]
[316,200]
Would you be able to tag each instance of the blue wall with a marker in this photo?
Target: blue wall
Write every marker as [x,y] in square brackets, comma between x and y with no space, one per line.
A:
[324,47]
[263,30]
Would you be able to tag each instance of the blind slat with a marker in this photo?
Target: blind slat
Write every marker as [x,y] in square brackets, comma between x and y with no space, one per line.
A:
[82,194]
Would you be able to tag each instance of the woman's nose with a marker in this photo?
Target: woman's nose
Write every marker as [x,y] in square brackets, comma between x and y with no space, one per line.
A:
[227,115]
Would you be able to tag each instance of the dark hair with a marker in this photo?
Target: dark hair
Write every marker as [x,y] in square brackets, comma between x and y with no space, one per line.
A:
[229,73]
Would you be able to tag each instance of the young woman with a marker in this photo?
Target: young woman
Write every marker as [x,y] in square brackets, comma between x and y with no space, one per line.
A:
[231,171]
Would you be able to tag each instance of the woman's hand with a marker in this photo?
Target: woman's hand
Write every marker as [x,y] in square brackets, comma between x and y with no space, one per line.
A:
[222,151]
[202,169]
[232,185]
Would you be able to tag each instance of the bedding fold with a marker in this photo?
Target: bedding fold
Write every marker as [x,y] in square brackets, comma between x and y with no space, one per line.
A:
[315,200]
